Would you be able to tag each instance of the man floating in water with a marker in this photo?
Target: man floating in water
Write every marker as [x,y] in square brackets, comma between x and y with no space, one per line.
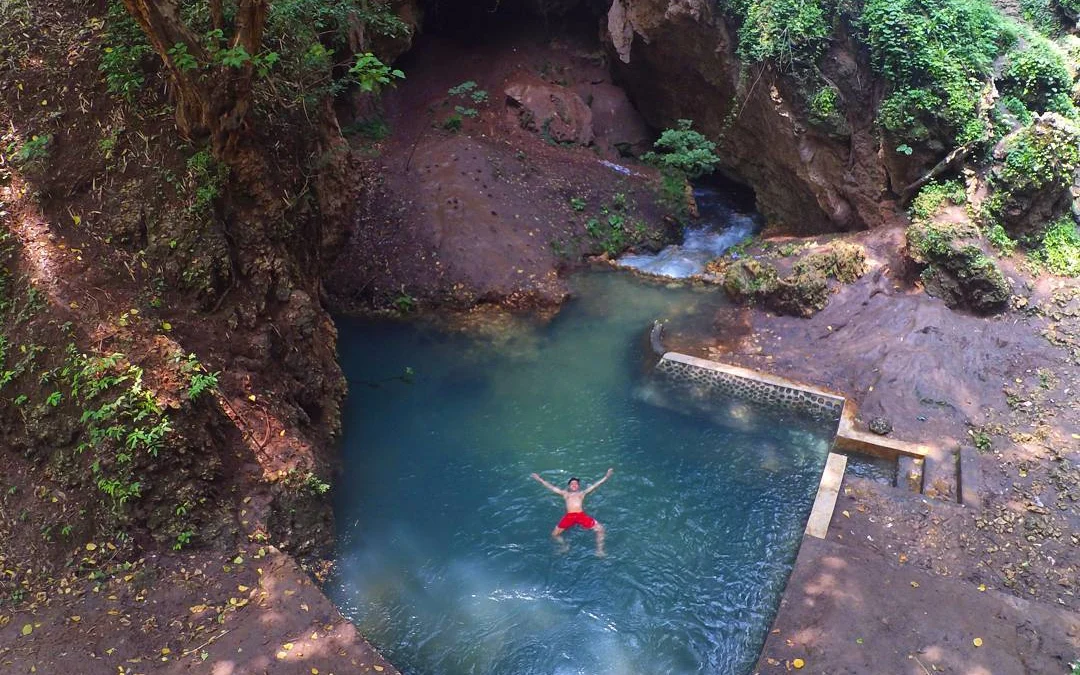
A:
[575,512]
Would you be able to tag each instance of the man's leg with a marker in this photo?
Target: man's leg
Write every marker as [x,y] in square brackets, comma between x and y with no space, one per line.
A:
[556,534]
[599,539]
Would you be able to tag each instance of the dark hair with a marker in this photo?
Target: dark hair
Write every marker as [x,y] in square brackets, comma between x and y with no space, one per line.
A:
[572,480]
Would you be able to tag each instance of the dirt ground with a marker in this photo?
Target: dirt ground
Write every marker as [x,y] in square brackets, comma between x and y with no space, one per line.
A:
[491,212]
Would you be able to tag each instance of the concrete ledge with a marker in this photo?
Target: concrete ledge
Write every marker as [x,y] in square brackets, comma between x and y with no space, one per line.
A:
[850,439]
[828,489]
[750,385]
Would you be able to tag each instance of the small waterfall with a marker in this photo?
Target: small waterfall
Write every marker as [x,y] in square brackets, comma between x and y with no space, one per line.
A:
[722,225]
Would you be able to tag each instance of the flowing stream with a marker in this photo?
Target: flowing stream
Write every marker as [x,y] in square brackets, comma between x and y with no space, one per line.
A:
[445,560]
[723,224]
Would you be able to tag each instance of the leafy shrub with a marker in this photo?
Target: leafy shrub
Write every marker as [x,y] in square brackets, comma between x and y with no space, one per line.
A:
[935,55]
[791,33]
[1037,76]
[1017,108]
[823,104]
[684,151]
[33,151]
[1042,15]
[125,47]
[205,180]
[371,74]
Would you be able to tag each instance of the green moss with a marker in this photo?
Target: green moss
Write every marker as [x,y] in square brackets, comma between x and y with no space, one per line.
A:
[842,261]
[933,195]
[1060,249]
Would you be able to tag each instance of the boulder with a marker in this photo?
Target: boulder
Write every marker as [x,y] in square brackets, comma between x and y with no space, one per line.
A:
[554,111]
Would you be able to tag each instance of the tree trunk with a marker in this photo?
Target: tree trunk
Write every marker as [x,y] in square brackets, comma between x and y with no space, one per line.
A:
[212,101]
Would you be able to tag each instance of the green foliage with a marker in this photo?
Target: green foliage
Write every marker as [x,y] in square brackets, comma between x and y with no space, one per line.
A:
[303,36]
[684,151]
[469,96]
[121,418]
[935,55]
[372,128]
[125,47]
[1037,76]
[183,538]
[578,204]
[205,180]
[200,380]
[404,302]
[791,33]
[1042,15]
[181,58]
[823,104]
[1017,108]
[33,152]
[1060,248]
[999,239]
[453,122]
[371,74]
[933,195]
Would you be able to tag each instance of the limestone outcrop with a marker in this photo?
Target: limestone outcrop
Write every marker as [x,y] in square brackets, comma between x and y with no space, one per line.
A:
[678,60]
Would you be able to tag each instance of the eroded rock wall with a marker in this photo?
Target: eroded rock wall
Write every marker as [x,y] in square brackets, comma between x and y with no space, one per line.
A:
[678,59]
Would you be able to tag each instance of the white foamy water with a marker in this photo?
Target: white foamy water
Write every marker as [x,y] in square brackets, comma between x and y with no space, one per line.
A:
[720,227]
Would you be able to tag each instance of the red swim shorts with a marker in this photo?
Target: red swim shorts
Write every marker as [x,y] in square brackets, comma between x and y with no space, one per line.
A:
[579,518]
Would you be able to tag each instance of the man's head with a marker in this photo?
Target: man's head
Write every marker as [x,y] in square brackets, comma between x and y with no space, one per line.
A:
[574,484]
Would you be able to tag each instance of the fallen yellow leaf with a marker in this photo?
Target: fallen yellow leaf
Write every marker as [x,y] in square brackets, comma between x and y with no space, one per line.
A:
[27,629]
[91,546]
[977,642]
[798,663]
[914,584]
[378,669]
[982,587]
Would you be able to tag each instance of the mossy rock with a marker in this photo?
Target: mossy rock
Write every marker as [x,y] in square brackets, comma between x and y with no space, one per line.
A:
[1037,166]
[842,261]
[801,293]
[961,274]
[748,280]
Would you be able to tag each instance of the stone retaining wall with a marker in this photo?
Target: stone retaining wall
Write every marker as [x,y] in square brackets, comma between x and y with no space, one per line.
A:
[748,385]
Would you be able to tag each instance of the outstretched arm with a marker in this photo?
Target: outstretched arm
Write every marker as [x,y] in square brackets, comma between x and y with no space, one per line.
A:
[546,484]
[599,482]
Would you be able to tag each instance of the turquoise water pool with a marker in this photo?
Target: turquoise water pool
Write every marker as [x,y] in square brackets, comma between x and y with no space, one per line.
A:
[445,561]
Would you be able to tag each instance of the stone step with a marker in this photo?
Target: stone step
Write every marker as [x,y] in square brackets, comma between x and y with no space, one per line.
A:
[909,473]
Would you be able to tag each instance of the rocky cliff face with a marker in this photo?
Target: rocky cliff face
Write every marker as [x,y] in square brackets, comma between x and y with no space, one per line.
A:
[678,59]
